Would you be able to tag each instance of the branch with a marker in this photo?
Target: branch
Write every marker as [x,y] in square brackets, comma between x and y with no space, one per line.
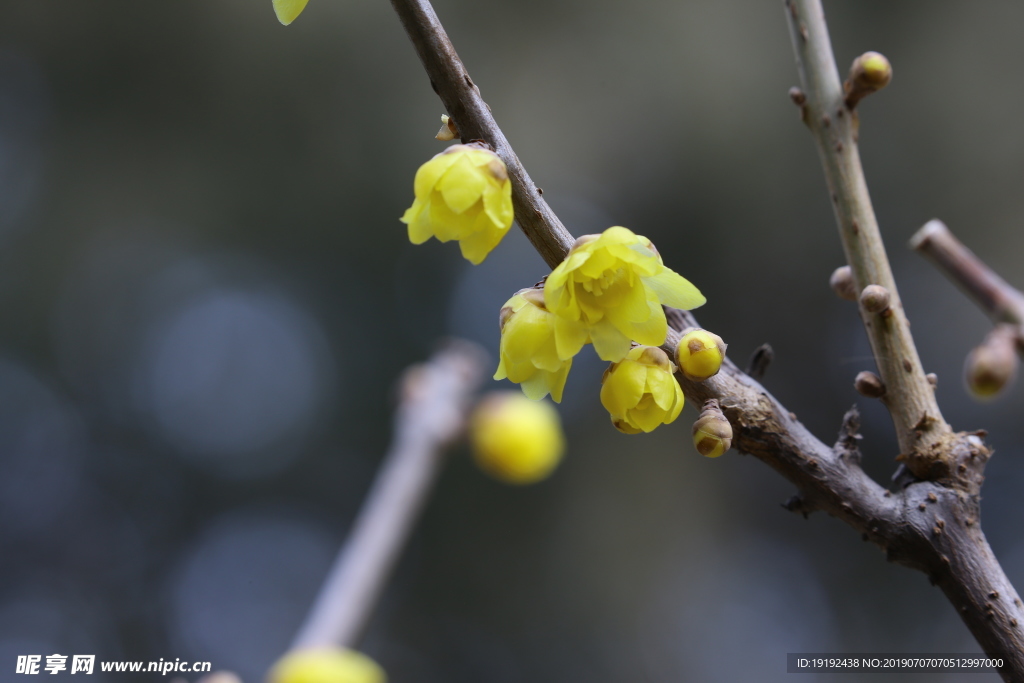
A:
[474,121]
[430,415]
[910,398]
[928,525]
[991,293]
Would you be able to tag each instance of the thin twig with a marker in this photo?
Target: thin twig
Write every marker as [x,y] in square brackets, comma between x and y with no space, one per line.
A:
[430,415]
[996,298]
[927,525]
[920,428]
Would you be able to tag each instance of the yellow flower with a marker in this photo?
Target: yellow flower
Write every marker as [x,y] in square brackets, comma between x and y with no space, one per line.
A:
[326,665]
[462,194]
[514,439]
[609,290]
[287,10]
[640,391]
[527,353]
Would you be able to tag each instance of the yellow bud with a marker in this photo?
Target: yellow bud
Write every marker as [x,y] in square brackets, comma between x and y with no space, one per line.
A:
[700,354]
[992,366]
[712,433]
[869,73]
[514,439]
[462,194]
[288,10]
[326,665]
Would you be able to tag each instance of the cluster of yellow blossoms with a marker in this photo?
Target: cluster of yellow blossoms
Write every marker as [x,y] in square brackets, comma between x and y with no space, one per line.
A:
[609,291]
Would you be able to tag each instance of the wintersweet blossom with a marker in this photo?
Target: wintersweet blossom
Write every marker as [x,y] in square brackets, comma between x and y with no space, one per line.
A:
[462,194]
[514,439]
[609,290]
[527,354]
[287,10]
[640,391]
[326,665]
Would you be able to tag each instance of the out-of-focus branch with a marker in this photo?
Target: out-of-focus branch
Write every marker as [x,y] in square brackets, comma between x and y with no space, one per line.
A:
[920,428]
[991,293]
[431,414]
[928,525]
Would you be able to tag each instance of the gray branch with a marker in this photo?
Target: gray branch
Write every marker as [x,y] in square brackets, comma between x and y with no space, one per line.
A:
[932,526]
[431,414]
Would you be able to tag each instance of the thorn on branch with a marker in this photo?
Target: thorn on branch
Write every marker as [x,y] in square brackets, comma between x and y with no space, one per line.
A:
[869,73]
[759,361]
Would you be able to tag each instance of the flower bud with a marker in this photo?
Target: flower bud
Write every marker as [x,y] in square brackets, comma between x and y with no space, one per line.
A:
[869,73]
[874,298]
[991,366]
[462,194]
[869,384]
[326,665]
[699,354]
[448,130]
[288,10]
[514,439]
[842,283]
[712,433]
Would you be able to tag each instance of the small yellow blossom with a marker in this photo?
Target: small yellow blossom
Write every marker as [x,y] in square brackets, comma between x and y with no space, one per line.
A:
[514,439]
[609,290]
[700,354]
[462,194]
[527,354]
[287,10]
[326,665]
[640,391]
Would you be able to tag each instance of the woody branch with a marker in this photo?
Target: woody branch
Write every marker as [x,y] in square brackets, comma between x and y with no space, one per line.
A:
[930,525]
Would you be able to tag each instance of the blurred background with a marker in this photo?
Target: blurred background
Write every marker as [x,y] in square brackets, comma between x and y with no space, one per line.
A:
[206,298]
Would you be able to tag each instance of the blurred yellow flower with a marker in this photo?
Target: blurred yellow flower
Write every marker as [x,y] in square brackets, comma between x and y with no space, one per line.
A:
[326,665]
[514,439]
[609,290]
[462,194]
[527,354]
[287,10]
[640,391]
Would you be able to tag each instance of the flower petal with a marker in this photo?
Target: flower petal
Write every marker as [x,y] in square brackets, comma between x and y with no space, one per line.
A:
[609,342]
[623,387]
[462,185]
[674,290]
[288,10]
